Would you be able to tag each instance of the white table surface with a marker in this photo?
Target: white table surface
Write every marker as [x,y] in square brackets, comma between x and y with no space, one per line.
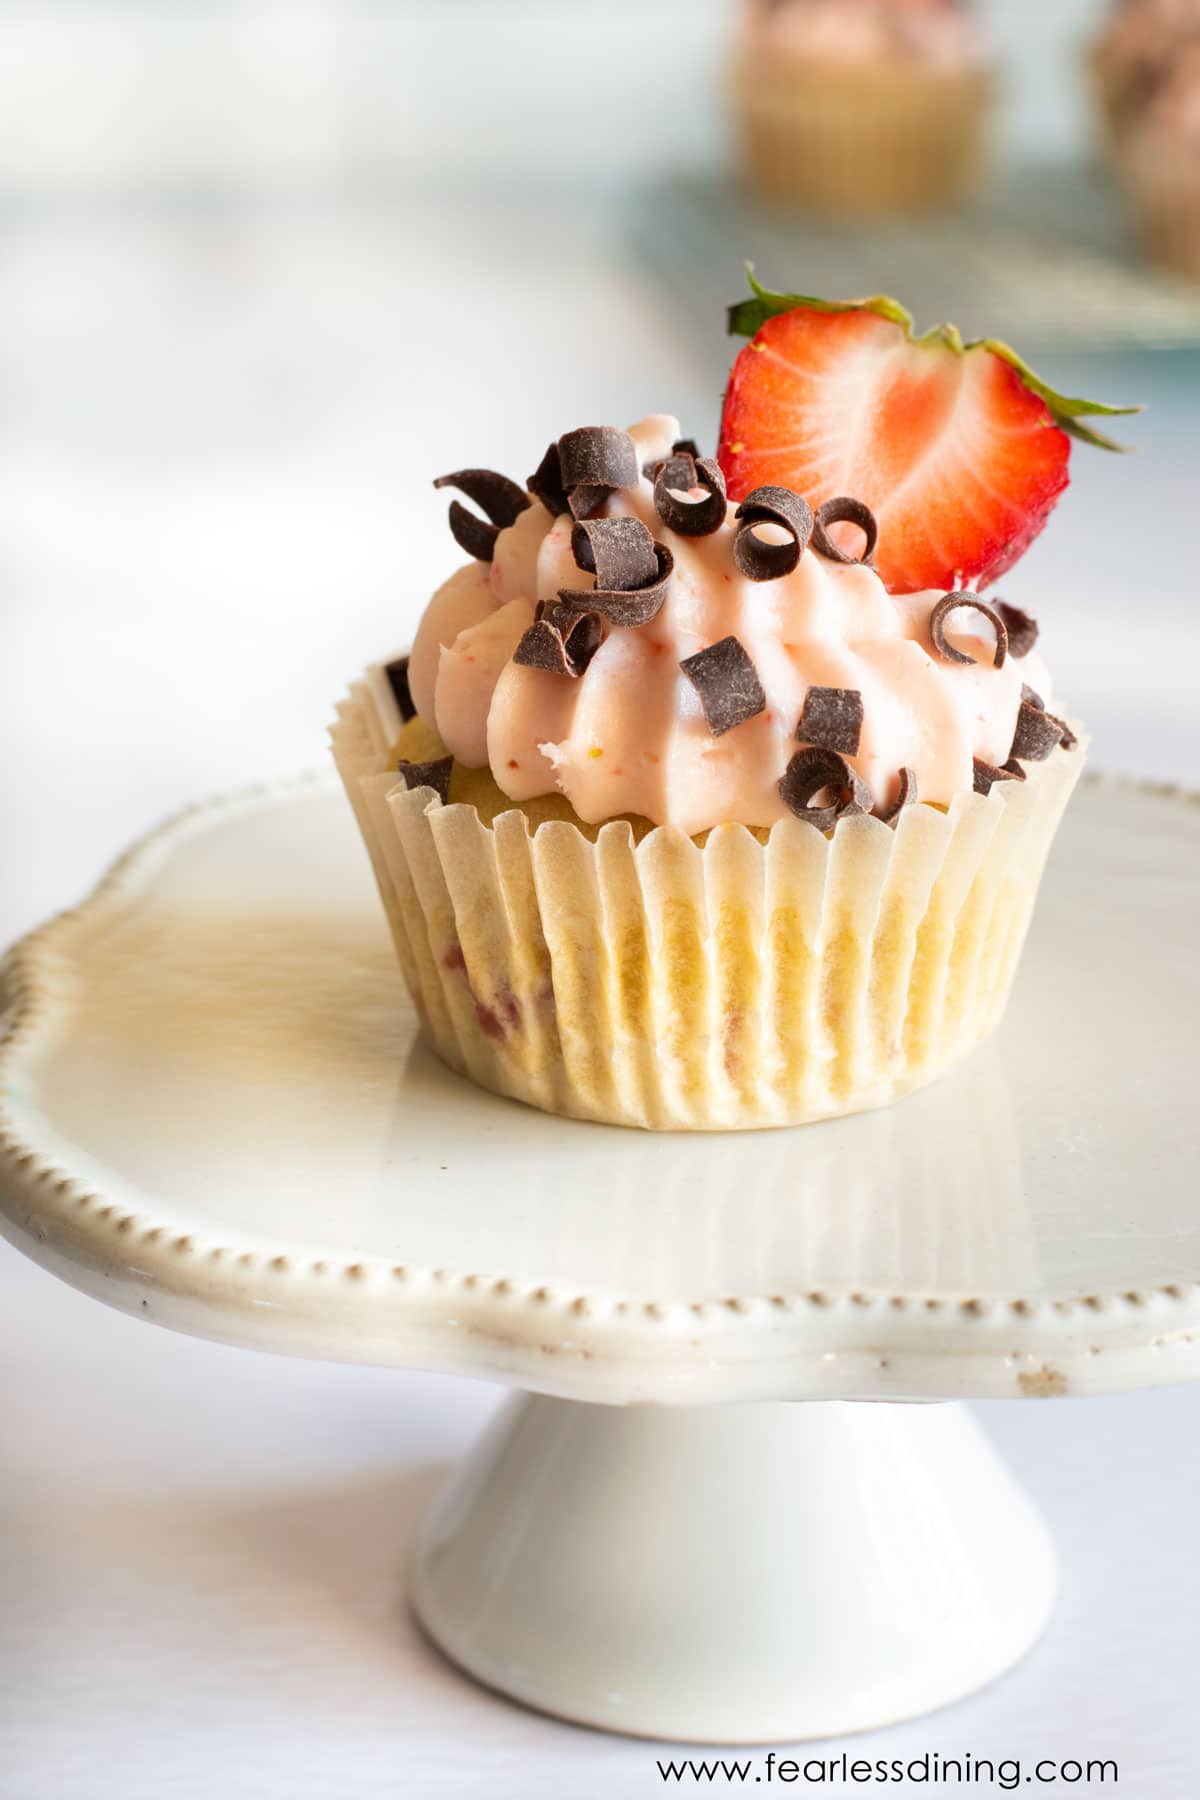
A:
[213,465]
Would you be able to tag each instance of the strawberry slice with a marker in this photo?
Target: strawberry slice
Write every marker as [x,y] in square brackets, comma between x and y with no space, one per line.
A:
[959,449]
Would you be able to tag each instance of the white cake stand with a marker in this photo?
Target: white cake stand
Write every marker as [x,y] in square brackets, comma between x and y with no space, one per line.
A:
[215,1114]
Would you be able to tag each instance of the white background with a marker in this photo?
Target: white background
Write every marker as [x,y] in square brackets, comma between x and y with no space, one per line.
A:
[255,290]
[119,96]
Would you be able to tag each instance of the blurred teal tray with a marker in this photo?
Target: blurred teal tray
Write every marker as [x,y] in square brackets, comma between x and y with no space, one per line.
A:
[1043,257]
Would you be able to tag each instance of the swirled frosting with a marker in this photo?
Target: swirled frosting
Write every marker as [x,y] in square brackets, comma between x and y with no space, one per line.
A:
[629,735]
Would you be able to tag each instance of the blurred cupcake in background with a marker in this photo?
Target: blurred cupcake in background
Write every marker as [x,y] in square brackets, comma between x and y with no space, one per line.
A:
[1158,159]
[1132,54]
[865,105]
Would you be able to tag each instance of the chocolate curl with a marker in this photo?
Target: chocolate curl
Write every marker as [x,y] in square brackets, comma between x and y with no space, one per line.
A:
[593,461]
[1066,737]
[1022,630]
[560,640]
[951,603]
[632,572]
[832,719]
[583,502]
[597,455]
[680,473]
[546,484]
[1069,740]
[501,499]
[681,447]
[1037,734]
[771,506]
[435,775]
[843,510]
[906,796]
[618,552]
[986,775]
[560,613]
[727,683]
[813,769]
[397,675]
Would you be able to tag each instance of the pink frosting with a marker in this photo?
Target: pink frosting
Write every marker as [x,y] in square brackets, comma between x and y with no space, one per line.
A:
[629,736]
[936,32]
[1145,32]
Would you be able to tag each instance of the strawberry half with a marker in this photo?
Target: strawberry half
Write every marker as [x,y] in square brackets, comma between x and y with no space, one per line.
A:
[960,450]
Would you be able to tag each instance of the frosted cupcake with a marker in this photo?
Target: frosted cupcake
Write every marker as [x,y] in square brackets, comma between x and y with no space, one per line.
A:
[1132,53]
[1158,161]
[710,796]
[865,105]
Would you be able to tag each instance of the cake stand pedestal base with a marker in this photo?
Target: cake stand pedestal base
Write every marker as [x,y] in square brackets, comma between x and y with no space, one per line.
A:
[733,1574]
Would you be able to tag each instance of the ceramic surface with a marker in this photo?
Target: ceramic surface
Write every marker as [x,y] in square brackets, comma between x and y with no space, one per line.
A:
[740,1574]
[216,1112]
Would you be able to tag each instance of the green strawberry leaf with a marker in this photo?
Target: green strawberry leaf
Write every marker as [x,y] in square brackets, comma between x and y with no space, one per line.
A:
[747,316]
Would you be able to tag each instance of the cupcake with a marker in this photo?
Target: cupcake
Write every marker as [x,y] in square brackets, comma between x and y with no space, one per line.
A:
[1131,54]
[868,105]
[712,794]
[1158,161]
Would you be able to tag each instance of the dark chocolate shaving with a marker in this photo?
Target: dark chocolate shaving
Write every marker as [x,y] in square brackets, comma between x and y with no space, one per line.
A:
[844,510]
[632,571]
[435,775]
[814,769]
[1036,735]
[559,613]
[987,774]
[583,501]
[543,647]
[1022,630]
[727,683]
[680,474]
[471,533]
[679,469]
[501,499]
[618,552]
[906,795]
[546,483]
[950,603]
[681,447]
[760,561]
[621,606]
[597,456]
[397,674]
[832,719]
[563,644]
[1068,740]
[1027,693]
[583,638]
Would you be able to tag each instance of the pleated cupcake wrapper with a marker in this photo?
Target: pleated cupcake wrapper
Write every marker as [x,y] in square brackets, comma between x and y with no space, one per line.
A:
[738,984]
[835,138]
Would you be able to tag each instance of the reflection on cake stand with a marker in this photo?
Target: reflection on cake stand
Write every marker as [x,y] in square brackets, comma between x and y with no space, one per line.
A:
[216,1113]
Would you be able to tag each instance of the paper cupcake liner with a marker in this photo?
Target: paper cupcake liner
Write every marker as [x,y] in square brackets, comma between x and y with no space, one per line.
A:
[838,139]
[739,984]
